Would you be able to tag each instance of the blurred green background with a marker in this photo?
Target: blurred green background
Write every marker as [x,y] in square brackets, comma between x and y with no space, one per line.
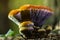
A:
[7,5]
